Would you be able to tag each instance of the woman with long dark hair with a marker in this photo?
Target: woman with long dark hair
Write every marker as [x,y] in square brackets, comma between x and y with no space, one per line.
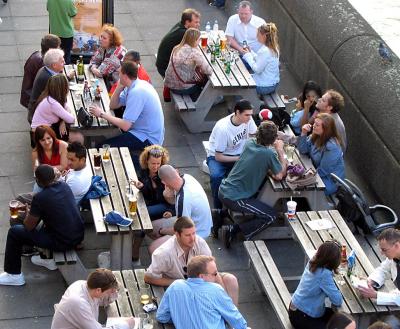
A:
[52,109]
[324,148]
[307,309]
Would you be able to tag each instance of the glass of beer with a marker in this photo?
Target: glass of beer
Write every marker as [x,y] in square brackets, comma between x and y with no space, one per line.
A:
[14,207]
[106,153]
[97,161]
[204,40]
[289,150]
[222,43]
[132,204]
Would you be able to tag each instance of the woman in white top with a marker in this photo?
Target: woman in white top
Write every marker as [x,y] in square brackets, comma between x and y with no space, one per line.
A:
[185,65]
[265,63]
[51,109]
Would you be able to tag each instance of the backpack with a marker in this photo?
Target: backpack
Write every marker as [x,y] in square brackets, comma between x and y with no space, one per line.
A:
[279,116]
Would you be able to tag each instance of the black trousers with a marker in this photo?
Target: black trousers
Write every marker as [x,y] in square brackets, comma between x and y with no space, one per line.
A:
[301,320]
[66,45]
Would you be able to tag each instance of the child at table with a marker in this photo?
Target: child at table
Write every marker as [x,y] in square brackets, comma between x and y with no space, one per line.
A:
[307,308]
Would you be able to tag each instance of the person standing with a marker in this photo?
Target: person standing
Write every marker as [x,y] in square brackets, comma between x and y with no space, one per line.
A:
[61,24]
[199,302]
[190,18]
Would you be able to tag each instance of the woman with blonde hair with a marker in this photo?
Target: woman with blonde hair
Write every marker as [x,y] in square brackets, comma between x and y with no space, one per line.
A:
[151,159]
[52,109]
[265,63]
[324,148]
[187,66]
[107,59]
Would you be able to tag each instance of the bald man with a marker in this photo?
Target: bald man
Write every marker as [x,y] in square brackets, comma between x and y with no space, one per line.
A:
[190,201]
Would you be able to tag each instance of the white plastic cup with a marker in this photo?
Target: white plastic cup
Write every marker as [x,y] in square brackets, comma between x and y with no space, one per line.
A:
[291,209]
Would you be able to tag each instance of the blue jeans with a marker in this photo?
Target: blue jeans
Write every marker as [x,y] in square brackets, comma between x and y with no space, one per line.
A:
[193,91]
[19,236]
[126,139]
[218,171]
[266,90]
[156,211]
[219,3]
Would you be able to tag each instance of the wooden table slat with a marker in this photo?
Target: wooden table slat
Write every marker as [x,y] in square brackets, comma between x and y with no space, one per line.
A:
[239,75]
[142,208]
[213,77]
[218,74]
[131,284]
[230,77]
[123,301]
[250,81]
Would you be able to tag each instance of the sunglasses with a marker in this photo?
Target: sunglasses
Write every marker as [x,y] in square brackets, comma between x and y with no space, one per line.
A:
[185,270]
[156,153]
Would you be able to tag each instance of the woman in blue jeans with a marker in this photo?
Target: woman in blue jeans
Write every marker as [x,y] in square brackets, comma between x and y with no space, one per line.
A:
[307,308]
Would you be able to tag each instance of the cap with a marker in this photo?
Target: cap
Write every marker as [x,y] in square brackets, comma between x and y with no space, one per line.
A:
[116,218]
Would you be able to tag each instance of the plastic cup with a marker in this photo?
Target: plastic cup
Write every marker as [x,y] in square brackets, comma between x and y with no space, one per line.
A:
[204,40]
[291,209]
[14,207]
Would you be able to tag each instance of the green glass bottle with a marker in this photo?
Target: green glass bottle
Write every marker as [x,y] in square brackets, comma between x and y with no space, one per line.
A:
[81,70]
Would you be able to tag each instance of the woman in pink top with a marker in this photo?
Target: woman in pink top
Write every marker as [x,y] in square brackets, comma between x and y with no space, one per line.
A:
[51,109]
[185,62]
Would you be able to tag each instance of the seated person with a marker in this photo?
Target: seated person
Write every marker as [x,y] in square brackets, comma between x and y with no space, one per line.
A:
[49,150]
[186,61]
[199,302]
[341,320]
[51,107]
[307,308]
[190,200]
[106,61]
[63,227]
[260,156]
[79,175]
[324,148]
[169,261]
[149,183]
[226,143]
[305,106]
[79,306]
[243,27]
[33,64]
[265,62]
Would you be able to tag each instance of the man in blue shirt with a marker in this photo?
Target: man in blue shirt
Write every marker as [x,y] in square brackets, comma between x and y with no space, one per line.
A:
[143,119]
[199,302]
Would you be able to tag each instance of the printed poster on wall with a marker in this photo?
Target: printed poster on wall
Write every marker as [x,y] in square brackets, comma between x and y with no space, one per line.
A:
[87,27]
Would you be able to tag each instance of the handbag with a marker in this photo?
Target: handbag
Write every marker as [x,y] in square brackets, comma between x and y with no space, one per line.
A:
[308,178]
[84,117]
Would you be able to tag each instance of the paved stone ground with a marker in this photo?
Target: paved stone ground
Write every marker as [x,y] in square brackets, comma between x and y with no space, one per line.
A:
[143,23]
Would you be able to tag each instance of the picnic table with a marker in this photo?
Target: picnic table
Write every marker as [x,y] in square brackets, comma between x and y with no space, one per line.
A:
[75,100]
[117,173]
[238,82]
[128,302]
[361,308]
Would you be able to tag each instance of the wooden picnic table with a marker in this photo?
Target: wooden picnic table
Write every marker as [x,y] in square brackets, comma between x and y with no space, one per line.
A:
[117,173]
[75,100]
[361,308]
[238,82]
[128,302]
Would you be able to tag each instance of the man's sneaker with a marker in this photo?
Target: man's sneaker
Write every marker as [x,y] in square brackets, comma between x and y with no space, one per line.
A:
[7,279]
[50,264]
[227,235]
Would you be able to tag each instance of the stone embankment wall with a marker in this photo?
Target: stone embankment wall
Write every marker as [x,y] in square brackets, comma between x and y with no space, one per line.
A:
[328,41]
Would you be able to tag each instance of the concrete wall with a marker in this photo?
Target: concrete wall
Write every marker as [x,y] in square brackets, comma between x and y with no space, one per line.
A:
[328,41]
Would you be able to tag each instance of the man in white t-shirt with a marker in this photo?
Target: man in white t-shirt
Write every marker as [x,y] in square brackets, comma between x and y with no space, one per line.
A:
[190,201]
[226,143]
[243,27]
[79,177]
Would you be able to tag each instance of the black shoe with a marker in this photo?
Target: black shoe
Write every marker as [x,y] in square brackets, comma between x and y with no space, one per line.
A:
[227,235]
[217,222]
[5,1]
[28,251]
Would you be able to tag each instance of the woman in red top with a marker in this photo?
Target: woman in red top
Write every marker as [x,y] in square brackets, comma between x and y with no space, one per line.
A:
[49,150]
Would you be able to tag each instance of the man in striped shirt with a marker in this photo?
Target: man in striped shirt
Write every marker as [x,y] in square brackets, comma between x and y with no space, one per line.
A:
[199,302]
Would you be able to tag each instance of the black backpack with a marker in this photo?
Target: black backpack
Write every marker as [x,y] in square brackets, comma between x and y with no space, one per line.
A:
[279,116]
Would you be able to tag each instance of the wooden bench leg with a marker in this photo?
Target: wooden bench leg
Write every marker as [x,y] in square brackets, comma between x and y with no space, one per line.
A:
[73,272]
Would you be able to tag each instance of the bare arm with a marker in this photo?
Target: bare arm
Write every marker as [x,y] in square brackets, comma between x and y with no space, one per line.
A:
[114,101]
[225,158]
[35,160]
[163,282]
[120,123]
[234,44]
[63,155]
[281,155]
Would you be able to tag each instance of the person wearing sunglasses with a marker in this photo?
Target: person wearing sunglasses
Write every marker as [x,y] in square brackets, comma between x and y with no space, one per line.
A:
[199,302]
[307,308]
[169,262]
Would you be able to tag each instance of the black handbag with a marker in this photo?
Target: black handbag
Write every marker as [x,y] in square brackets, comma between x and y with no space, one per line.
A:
[85,119]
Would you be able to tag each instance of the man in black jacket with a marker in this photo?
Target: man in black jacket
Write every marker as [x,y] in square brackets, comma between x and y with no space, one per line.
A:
[190,18]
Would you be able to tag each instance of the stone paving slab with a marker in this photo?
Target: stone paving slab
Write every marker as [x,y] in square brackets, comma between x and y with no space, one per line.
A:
[9,53]
[10,85]
[11,69]
[10,103]
[31,37]
[31,323]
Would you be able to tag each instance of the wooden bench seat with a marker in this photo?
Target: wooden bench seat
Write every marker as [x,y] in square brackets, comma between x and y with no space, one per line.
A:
[274,101]
[70,266]
[183,102]
[271,280]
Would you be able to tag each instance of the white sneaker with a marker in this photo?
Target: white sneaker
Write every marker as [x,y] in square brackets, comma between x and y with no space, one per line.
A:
[103,259]
[204,167]
[7,279]
[50,264]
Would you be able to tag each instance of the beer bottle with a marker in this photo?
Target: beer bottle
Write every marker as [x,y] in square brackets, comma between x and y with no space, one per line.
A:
[244,44]
[97,93]
[212,55]
[81,69]
[227,67]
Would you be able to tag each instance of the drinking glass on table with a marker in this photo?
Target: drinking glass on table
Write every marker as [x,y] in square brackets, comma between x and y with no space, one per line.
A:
[106,153]
[289,151]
